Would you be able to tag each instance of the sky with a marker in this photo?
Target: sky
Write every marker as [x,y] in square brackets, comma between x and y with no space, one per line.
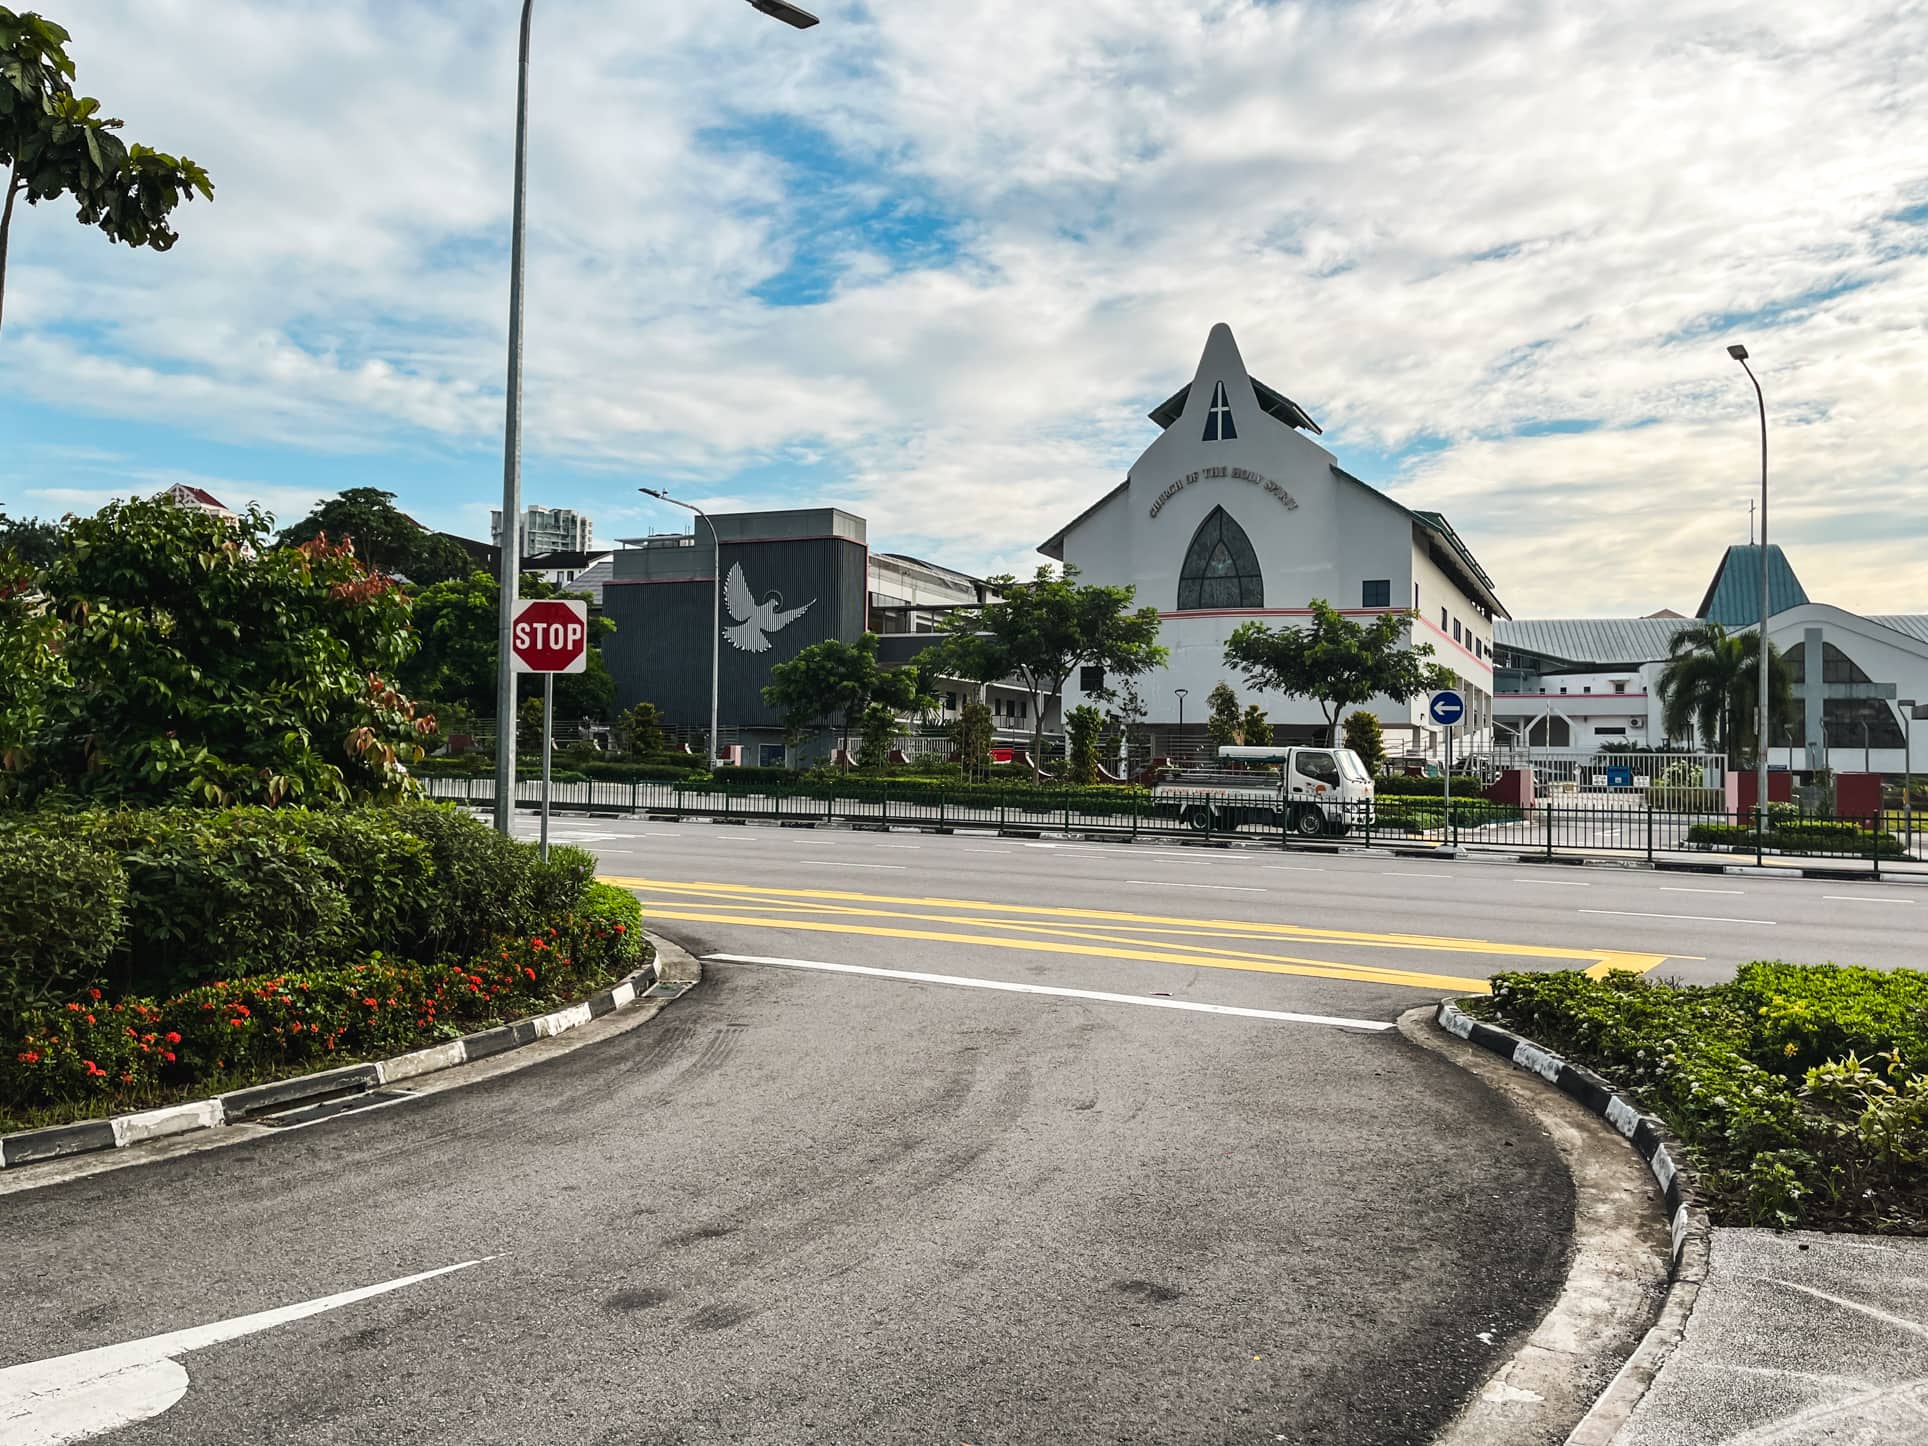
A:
[935,262]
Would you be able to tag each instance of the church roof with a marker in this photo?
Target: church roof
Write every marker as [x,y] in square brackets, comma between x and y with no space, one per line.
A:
[1272,403]
[1915,625]
[1610,642]
[1734,596]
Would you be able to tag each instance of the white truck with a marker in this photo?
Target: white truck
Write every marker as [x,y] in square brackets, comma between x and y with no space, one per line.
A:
[1313,792]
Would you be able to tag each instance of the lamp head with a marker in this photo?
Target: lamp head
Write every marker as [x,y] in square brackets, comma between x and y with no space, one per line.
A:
[1737,352]
[651,492]
[789,14]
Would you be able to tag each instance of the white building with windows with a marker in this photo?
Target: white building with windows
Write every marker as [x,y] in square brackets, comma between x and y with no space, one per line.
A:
[547,529]
[1235,513]
[1587,683]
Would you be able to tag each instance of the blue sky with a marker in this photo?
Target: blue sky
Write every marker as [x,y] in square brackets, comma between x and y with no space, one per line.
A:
[934,263]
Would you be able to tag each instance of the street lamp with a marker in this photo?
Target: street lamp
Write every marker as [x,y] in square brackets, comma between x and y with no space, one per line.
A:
[1909,710]
[716,603]
[1739,354]
[1179,693]
[511,569]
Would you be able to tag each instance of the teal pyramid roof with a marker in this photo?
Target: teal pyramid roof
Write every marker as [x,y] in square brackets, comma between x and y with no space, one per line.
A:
[1734,596]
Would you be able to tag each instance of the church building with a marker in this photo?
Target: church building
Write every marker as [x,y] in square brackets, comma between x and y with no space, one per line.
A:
[1234,513]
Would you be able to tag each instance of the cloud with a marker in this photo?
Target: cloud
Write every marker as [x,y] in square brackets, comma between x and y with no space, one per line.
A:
[1443,229]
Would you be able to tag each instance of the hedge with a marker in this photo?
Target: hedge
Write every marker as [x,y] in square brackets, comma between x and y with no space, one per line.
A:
[1403,785]
[1805,836]
[1397,812]
[220,895]
[911,789]
[1798,1089]
[102,1055]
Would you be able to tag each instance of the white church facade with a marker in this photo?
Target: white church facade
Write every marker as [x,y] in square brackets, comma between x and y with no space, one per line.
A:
[1233,514]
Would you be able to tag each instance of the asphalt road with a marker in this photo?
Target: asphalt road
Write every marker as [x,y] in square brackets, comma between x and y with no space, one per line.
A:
[811,1205]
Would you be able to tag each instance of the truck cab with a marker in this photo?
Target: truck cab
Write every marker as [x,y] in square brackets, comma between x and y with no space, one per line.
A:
[1310,791]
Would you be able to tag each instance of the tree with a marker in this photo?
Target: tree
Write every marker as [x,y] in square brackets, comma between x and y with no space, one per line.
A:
[972,734]
[386,539]
[202,665]
[1337,662]
[29,540]
[528,726]
[457,622]
[877,730]
[1125,711]
[54,143]
[1042,631]
[1221,721]
[1082,725]
[1365,738]
[838,680]
[1711,688]
[1254,728]
[31,668]
[642,730]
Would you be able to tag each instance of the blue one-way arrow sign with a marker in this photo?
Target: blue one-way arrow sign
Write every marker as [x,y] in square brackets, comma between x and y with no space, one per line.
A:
[1448,708]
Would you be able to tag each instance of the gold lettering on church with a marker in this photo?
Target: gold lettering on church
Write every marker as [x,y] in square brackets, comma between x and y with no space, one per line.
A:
[1212,474]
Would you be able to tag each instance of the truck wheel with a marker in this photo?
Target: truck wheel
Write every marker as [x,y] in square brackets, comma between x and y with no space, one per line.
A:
[1197,818]
[1310,823]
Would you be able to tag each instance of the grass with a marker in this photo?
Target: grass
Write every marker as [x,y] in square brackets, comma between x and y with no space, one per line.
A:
[1798,1090]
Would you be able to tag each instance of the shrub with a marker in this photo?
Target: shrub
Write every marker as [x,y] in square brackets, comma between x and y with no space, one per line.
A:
[61,903]
[484,883]
[1784,1132]
[1401,785]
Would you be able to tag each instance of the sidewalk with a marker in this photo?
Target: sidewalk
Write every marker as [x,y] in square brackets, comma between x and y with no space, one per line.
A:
[1797,1337]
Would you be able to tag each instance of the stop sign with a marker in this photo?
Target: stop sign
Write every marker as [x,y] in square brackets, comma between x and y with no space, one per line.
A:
[550,635]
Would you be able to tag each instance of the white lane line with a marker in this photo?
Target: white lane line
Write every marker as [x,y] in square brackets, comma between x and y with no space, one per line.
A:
[1680,889]
[1694,918]
[90,1393]
[1169,884]
[847,864]
[1866,899]
[1006,986]
[1556,883]
[1292,868]
[897,846]
[986,851]
[1410,874]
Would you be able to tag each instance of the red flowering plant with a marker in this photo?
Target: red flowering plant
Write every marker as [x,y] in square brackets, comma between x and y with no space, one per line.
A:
[93,1049]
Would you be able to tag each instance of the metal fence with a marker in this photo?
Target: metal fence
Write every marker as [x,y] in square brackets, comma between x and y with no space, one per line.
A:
[1620,828]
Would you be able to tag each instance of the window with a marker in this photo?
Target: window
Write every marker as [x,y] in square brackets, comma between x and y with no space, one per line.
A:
[1221,569]
[950,702]
[1456,637]
[1619,685]
[1024,707]
[1376,593]
[1588,688]
[1443,620]
[1218,421]
[1319,767]
[1091,679]
[1563,687]
[1611,732]
[1415,597]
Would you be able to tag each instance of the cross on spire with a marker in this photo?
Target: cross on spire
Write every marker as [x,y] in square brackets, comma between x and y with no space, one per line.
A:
[1218,418]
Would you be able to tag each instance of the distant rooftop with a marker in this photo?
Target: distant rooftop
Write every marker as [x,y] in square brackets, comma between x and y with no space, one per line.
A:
[1272,403]
[1734,596]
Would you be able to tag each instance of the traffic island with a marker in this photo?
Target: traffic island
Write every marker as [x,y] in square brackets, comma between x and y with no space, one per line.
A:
[1789,1097]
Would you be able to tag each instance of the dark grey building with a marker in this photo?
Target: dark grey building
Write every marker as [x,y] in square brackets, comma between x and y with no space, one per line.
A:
[790,579]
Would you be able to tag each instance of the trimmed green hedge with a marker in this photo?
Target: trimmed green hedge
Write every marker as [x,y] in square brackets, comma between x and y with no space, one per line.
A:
[1397,812]
[1798,1089]
[1401,785]
[1802,836]
[909,788]
[102,1055]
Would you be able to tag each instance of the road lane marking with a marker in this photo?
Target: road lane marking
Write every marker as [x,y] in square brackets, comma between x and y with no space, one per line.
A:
[1866,899]
[897,846]
[1292,868]
[1174,884]
[1556,883]
[988,851]
[90,1393]
[1410,874]
[850,864]
[1693,918]
[1276,964]
[1678,889]
[1008,987]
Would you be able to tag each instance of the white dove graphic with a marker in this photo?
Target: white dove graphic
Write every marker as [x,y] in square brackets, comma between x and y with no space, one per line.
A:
[755,619]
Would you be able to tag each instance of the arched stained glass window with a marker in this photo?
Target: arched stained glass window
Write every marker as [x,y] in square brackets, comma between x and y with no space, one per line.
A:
[1221,569]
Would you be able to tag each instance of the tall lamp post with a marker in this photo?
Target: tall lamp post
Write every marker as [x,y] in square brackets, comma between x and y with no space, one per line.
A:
[716,603]
[1739,354]
[511,572]
[1909,710]
[1179,693]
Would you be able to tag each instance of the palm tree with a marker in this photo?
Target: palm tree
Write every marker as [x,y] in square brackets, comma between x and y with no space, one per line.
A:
[1710,688]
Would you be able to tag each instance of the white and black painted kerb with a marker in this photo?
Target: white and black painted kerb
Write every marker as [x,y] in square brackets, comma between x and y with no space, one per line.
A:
[1648,1135]
[31,1147]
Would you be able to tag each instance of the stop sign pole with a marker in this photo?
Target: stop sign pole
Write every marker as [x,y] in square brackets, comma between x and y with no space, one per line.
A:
[547,636]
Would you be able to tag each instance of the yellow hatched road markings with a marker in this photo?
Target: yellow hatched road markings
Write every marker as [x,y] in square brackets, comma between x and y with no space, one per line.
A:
[1127,935]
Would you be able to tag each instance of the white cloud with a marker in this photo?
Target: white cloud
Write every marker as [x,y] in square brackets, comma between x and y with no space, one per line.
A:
[1426,221]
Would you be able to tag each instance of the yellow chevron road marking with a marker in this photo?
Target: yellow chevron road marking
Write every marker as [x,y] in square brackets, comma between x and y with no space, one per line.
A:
[784,900]
[1313,968]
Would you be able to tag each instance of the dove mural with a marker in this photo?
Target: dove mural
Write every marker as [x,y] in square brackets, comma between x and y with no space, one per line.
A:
[754,620]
